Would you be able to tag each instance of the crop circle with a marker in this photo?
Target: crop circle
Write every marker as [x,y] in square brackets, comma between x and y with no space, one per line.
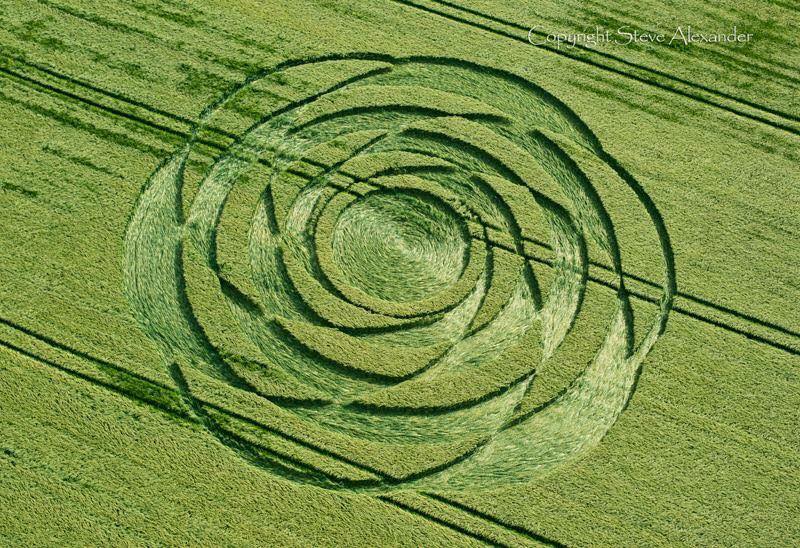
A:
[377,321]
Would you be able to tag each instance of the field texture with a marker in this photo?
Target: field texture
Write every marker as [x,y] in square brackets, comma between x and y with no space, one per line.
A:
[398,272]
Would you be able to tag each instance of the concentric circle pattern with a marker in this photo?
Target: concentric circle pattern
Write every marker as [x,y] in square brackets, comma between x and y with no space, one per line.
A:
[346,295]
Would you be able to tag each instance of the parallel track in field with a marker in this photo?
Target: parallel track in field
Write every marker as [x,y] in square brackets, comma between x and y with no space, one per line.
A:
[145,396]
[779,337]
[642,74]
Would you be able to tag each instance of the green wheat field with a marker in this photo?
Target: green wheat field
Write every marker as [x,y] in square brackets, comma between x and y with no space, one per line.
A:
[399,273]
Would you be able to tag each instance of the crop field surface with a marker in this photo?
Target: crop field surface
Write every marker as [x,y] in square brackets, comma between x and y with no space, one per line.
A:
[399,273]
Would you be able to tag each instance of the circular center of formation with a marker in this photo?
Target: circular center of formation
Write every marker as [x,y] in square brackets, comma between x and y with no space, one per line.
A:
[399,246]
